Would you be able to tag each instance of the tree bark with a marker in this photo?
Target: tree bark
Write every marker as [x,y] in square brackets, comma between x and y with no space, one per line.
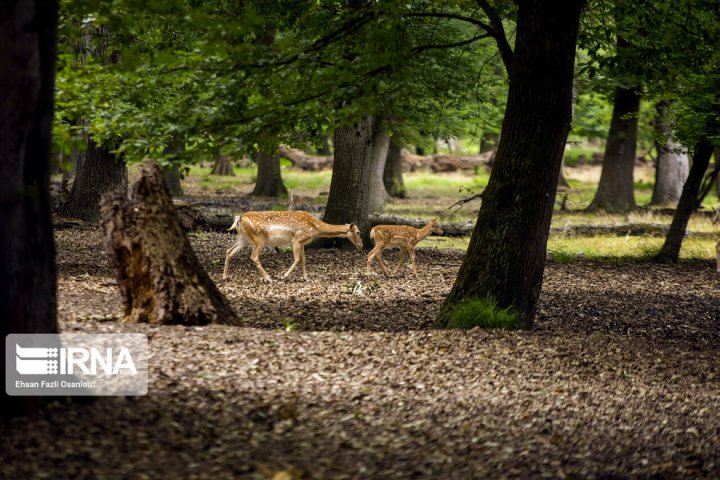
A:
[616,191]
[98,172]
[672,161]
[488,142]
[28,42]
[223,166]
[269,181]
[159,276]
[506,256]
[324,149]
[378,195]
[172,178]
[717,177]
[562,181]
[68,176]
[670,250]
[393,175]
[350,183]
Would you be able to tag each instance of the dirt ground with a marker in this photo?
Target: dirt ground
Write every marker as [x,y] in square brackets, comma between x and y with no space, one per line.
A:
[342,377]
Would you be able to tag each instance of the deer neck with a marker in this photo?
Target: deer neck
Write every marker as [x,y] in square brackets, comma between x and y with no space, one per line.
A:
[424,232]
[328,230]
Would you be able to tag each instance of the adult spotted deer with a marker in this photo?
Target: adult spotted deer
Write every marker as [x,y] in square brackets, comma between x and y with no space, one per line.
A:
[277,229]
[405,237]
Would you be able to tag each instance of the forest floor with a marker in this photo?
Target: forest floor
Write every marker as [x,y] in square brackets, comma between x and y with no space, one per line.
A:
[342,377]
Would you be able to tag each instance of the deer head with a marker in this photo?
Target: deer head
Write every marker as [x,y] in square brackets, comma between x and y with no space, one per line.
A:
[353,234]
[435,227]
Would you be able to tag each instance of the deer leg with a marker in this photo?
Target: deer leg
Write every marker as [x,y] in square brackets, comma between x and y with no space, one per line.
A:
[230,252]
[371,257]
[255,257]
[382,263]
[411,251]
[401,261]
[297,255]
[302,254]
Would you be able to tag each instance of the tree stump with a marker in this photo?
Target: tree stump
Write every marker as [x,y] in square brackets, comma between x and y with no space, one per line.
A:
[159,275]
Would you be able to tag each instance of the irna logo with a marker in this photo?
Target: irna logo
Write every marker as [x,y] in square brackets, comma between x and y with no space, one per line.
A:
[72,360]
[76,364]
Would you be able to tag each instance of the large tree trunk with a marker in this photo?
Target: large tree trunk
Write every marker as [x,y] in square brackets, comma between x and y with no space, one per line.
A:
[616,191]
[670,250]
[28,43]
[269,181]
[350,183]
[98,172]
[378,195]
[506,256]
[223,166]
[158,274]
[393,175]
[672,162]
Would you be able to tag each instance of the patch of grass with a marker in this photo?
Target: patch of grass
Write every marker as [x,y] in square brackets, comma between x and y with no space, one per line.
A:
[634,249]
[289,324]
[450,243]
[573,153]
[561,256]
[482,312]
[423,184]
[298,179]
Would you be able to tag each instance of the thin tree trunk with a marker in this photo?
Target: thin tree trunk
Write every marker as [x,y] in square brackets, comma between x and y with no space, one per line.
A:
[616,191]
[393,175]
[98,172]
[670,250]
[68,175]
[172,177]
[506,256]
[378,195]
[269,181]
[717,165]
[223,166]
[562,181]
[489,142]
[28,42]
[324,148]
[158,273]
[350,183]
[672,162]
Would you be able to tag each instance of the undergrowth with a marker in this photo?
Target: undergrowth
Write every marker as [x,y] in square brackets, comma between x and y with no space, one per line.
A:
[484,313]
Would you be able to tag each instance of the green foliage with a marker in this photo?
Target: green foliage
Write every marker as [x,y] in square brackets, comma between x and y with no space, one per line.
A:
[484,313]
[232,78]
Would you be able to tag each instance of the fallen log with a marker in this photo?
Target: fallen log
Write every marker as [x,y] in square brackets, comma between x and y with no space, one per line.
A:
[443,162]
[303,161]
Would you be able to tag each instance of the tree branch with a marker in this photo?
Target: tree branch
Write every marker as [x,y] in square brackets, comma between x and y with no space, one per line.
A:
[506,52]
[454,16]
[708,182]
[462,202]
[422,48]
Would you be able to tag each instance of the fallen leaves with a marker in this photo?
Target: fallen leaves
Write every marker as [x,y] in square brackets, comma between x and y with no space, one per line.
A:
[618,379]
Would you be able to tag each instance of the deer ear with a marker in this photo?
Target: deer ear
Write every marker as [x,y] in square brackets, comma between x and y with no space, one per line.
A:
[352,227]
